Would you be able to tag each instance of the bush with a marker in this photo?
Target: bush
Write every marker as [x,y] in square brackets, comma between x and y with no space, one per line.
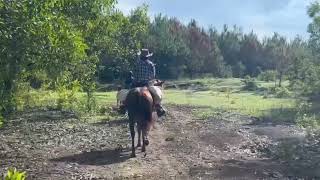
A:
[250,84]
[269,75]
[1,120]
[308,121]
[282,92]
[13,174]
[304,117]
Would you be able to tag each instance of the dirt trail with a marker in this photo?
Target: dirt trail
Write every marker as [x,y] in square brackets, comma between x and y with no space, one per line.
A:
[55,145]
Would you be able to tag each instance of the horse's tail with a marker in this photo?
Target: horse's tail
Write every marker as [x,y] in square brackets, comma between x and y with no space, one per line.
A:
[146,104]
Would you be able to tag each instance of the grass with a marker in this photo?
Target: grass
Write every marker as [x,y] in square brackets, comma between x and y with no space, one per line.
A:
[242,102]
[227,94]
[219,94]
[222,94]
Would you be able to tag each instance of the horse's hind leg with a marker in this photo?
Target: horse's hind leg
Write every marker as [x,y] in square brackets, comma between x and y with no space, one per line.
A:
[143,140]
[139,135]
[133,154]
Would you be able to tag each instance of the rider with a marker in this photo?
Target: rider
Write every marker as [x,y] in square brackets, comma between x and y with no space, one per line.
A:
[145,72]
[129,80]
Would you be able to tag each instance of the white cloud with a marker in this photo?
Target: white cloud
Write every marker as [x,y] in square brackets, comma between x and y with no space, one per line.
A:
[288,17]
[126,6]
[290,20]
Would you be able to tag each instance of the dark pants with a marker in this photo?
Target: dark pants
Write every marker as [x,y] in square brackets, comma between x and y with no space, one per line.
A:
[140,84]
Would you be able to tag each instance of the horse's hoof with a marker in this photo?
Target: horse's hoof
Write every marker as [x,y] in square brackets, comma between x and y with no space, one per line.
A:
[133,155]
[143,149]
[146,142]
[139,145]
[145,154]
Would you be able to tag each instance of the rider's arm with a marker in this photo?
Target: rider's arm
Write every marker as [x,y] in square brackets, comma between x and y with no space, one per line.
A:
[136,71]
[154,71]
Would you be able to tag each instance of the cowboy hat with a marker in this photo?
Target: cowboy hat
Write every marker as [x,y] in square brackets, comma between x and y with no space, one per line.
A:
[145,53]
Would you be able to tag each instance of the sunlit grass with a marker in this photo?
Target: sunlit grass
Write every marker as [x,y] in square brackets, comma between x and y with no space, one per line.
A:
[242,102]
[224,94]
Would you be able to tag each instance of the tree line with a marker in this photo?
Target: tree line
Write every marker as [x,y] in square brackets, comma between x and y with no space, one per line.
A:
[189,51]
[72,44]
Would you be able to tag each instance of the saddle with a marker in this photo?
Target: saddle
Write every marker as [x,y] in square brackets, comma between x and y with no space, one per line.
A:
[155,82]
[146,84]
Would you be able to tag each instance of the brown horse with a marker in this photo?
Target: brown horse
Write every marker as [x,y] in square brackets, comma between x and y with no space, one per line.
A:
[140,106]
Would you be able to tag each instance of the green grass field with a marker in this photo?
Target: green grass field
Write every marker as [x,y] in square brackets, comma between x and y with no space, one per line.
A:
[242,102]
[223,94]
[213,94]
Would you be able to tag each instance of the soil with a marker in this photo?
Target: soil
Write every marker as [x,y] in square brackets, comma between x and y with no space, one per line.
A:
[56,145]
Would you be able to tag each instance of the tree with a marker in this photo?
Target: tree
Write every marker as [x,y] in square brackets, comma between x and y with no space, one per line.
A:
[230,44]
[120,45]
[250,54]
[278,54]
[52,40]
[313,29]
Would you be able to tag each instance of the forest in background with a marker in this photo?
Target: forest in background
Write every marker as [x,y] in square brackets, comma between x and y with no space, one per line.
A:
[69,46]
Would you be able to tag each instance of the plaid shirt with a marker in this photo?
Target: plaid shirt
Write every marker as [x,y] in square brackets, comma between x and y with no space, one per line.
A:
[144,71]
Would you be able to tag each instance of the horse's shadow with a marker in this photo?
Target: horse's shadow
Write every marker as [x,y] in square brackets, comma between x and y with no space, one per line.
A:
[113,123]
[97,158]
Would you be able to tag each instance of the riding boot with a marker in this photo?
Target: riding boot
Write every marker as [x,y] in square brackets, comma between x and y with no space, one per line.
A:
[160,110]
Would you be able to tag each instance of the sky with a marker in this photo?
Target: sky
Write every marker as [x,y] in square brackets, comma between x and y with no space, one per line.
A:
[287,17]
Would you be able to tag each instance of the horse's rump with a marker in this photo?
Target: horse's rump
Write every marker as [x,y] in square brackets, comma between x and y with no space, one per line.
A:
[139,103]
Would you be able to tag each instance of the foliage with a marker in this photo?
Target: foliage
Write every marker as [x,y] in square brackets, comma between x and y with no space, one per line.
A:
[306,67]
[66,46]
[250,84]
[269,75]
[119,45]
[239,70]
[49,43]
[282,92]
[13,174]
[304,117]
[1,120]
[251,54]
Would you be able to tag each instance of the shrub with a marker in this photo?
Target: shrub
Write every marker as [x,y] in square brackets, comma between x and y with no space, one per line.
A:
[304,117]
[1,120]
[269,75]
[308,121]
[282,92]
[250,84]
[66,96]
[13,174]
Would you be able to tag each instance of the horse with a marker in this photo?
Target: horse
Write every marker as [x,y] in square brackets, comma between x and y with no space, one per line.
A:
[141,111]
[121,96]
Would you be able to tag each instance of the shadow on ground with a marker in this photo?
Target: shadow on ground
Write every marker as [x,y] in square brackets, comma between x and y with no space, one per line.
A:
[113,123]
[96,158]
[276,116]
[53,115]
[301,157]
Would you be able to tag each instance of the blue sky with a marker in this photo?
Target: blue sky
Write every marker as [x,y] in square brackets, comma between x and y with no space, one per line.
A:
[287,17]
